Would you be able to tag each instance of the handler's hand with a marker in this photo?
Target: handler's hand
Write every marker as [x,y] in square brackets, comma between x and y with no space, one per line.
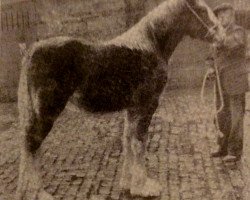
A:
[218,33]
[210,74]
[219,38]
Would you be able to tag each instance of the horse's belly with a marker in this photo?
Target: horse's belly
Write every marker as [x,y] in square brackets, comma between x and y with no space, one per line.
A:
[103,97]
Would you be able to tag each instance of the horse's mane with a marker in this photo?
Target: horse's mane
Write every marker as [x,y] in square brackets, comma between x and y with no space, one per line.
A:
[158,19]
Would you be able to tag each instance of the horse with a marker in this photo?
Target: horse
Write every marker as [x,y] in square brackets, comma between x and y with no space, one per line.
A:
[125,73]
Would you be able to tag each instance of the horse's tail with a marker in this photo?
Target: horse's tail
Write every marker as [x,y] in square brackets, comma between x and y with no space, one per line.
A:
[27,100]
[31,127]
[25,104]
[26,116]
[22,48]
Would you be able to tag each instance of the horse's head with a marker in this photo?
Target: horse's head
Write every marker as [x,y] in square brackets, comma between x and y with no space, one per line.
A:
[200,21]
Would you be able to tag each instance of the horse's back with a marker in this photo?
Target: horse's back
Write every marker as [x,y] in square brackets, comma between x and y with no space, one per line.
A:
[56,47]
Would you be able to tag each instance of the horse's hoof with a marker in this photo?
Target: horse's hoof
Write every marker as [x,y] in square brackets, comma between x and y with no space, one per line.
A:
[125,183]
[44,196]
[126,176]
[150,188]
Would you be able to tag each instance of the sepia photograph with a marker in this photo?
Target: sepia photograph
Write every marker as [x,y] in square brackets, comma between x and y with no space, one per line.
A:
[124,100]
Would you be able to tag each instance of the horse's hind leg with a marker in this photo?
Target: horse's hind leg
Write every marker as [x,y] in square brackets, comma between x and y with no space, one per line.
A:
[126,176]
[39,104]
[141,184]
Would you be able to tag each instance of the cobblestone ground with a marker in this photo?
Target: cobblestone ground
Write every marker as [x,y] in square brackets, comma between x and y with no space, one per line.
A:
[81,158]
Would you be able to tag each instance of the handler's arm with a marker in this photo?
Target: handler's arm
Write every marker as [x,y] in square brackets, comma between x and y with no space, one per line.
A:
[209,62]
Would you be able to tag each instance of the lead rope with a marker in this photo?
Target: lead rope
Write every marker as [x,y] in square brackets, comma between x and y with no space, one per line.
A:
[210,29]
[221,101]
[215,113]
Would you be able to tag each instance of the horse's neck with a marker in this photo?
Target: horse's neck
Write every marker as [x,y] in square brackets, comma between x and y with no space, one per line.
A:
[171,41]
[134,38]
[144,35]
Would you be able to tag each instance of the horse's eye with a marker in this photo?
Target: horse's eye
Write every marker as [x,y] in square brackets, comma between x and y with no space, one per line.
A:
[203,10]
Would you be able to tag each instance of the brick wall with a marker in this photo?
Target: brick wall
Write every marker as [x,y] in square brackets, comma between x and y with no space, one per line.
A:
[17,26]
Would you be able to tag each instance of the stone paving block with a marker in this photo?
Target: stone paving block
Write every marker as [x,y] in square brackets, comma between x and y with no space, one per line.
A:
[175,195]
[186,195]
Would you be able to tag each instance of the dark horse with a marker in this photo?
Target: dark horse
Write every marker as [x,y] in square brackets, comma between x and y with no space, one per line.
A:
[123,73]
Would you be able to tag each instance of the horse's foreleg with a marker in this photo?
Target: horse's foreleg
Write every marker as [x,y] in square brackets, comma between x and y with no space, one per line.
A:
[40,103]
[141,184]
[127,152]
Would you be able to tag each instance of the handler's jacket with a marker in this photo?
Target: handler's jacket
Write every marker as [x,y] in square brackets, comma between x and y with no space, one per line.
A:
[230,58]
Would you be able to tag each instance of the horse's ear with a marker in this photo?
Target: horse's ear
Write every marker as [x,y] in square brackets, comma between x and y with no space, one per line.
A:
[196,2]
[191,1]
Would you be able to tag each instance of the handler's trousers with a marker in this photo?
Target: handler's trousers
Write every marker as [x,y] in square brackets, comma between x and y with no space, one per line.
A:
[230,121]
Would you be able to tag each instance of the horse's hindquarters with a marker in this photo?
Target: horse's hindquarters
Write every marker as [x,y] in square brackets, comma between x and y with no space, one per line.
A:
[46,83]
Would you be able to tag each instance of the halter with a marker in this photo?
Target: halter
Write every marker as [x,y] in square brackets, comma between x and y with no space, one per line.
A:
[210,29]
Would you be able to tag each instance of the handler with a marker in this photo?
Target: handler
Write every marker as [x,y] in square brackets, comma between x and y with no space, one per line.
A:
[229,58]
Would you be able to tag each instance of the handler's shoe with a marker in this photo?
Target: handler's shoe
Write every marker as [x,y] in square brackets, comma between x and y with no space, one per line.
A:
[231,158]
[219,153]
